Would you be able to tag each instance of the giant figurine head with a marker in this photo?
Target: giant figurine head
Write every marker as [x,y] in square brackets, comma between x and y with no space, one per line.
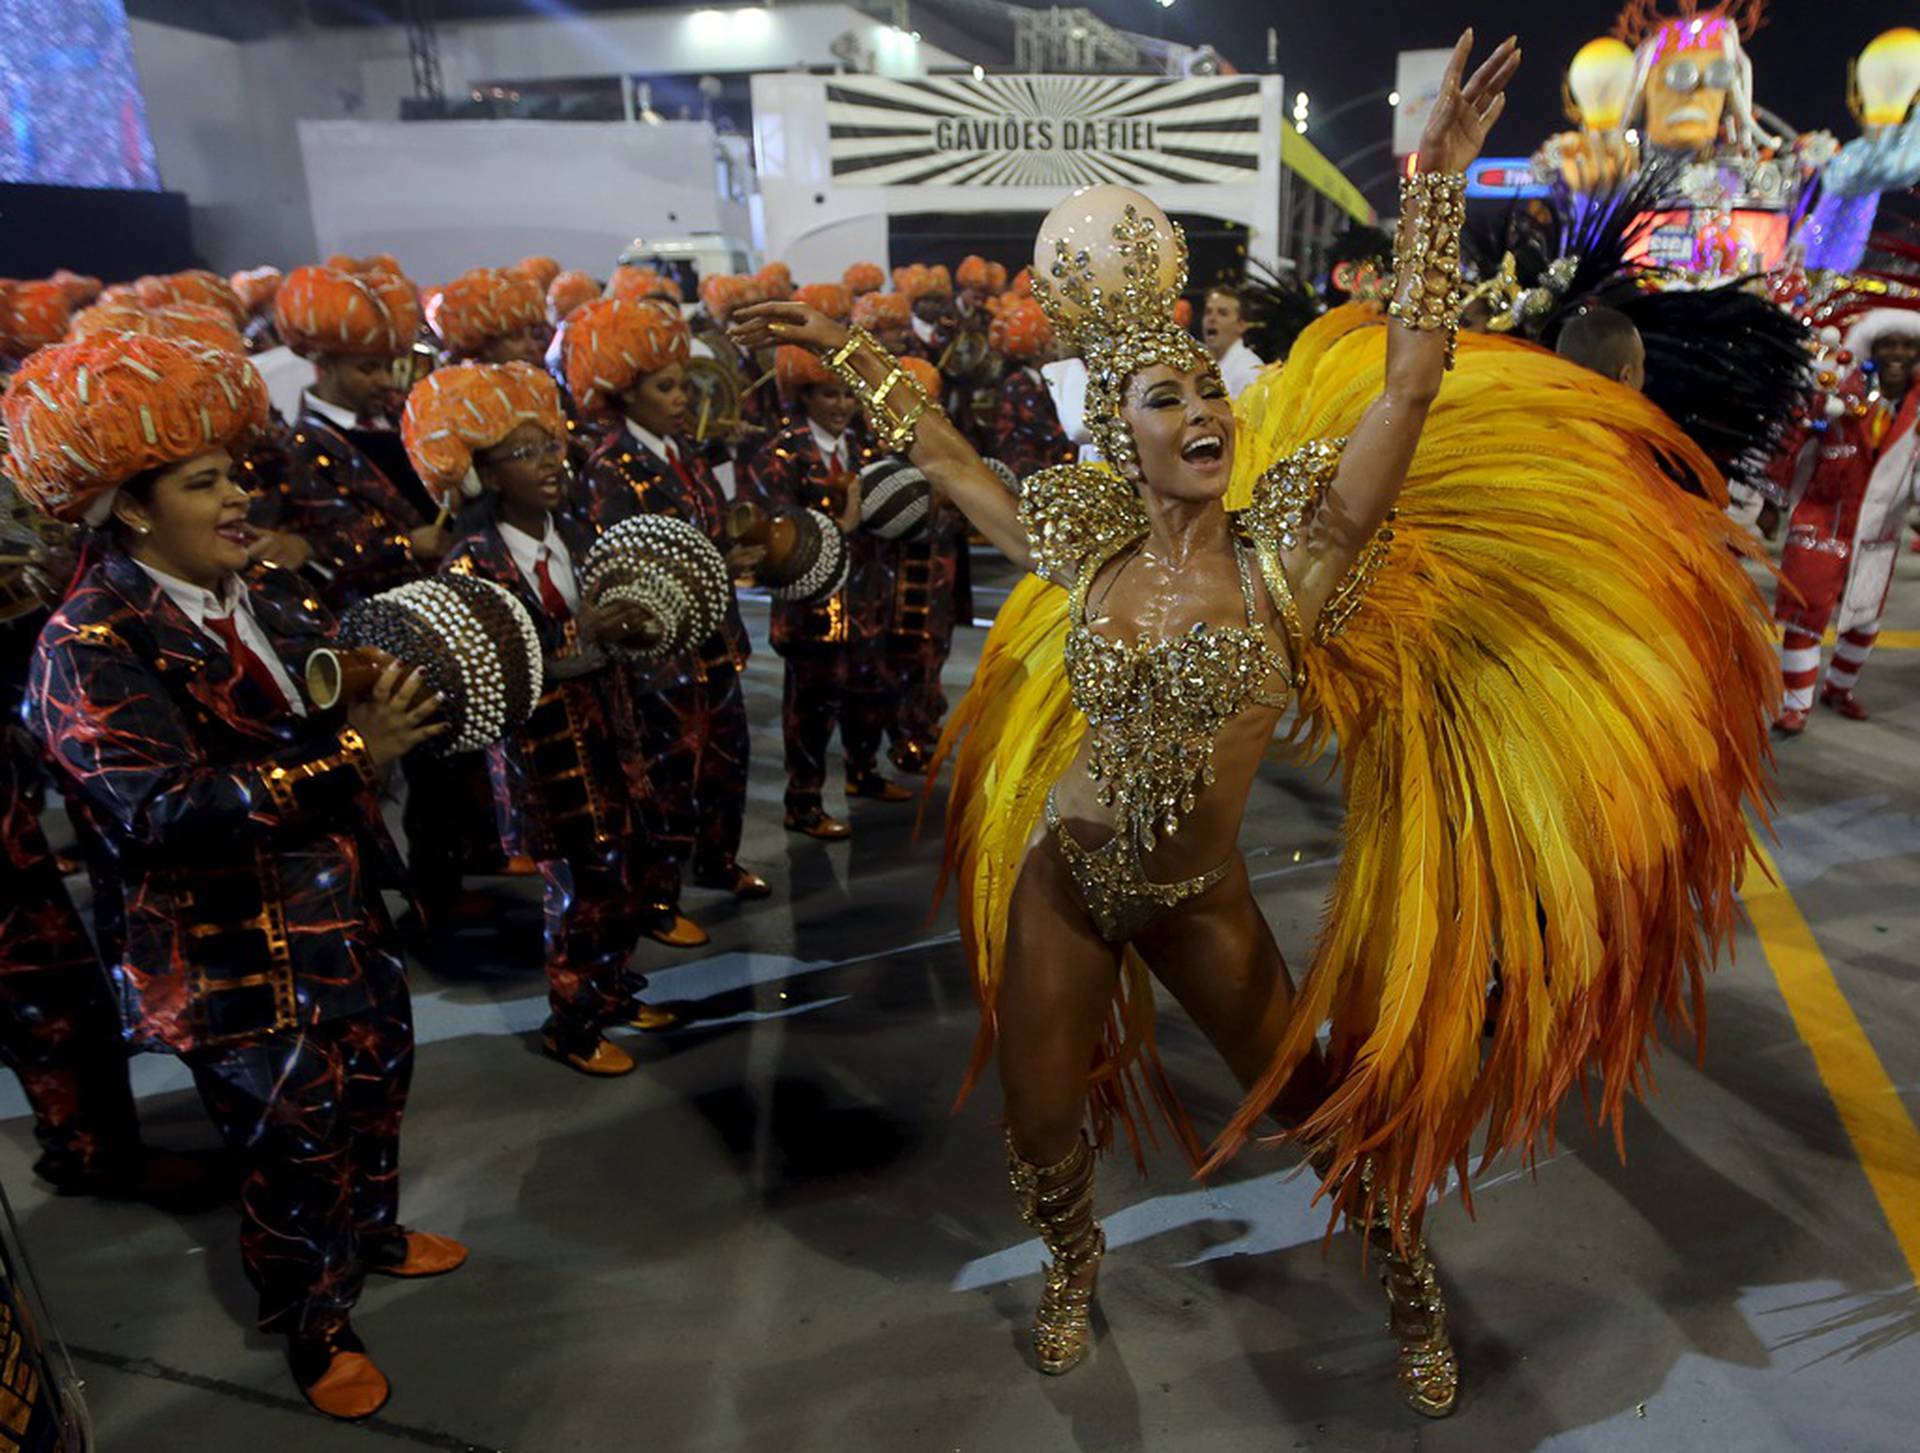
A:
[1692,77]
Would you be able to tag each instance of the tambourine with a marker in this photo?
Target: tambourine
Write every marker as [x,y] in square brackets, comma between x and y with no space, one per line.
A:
[469,638]
[806,555]
[895,499]
[671,569]
[969,358]
[713,394]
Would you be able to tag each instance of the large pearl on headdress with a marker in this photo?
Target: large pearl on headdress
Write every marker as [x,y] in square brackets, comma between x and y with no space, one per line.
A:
[1085,222]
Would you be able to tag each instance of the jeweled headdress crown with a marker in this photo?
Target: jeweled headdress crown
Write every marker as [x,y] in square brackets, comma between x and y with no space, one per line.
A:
[1108,265]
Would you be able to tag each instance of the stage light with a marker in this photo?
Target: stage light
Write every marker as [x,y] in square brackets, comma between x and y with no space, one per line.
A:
[1164,4]
[1393,98]
[979,73]
[1300,101]
[753,22]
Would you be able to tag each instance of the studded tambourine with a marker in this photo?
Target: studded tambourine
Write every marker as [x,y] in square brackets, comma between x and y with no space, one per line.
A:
[472,641]
[669,567]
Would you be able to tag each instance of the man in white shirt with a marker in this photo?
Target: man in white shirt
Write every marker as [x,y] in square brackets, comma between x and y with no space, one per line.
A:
[1223,327]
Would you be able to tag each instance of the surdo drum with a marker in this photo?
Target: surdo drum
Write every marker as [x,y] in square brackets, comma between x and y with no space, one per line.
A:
[806,557]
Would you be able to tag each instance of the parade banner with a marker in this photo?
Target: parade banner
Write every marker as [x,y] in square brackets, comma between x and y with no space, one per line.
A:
[1043,131]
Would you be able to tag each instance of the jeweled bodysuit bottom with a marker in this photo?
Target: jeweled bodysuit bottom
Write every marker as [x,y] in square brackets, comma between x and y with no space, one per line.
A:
[1112,882]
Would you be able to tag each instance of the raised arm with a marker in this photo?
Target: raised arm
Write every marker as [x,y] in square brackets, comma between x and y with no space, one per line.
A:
[1420,334]
[938,449]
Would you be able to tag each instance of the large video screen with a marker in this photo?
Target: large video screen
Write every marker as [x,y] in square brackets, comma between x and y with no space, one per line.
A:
[71,113]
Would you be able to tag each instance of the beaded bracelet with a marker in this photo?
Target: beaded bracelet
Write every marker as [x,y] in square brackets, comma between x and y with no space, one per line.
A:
[1426,255]
[894,427]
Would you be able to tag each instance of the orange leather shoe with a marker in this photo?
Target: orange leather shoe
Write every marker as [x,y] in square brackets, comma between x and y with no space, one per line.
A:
[679,931]
[426,1255]
[337,1377]
[734,879]
[654,1019]
[876,788]
[607,1061]
[816,824]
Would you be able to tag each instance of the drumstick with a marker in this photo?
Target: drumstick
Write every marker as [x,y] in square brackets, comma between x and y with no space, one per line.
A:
[706,408]
[446,513]
[765,377]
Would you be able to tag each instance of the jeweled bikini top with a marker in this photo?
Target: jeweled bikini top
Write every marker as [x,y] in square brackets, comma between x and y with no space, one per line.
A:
[1156,707]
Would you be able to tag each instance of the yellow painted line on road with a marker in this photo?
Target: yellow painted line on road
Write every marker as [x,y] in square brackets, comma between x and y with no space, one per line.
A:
[1884,1135]
[1888,640]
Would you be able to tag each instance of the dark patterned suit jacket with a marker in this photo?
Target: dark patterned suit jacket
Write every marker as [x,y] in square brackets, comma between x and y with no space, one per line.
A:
[354,516]
[245,841]
[565,784]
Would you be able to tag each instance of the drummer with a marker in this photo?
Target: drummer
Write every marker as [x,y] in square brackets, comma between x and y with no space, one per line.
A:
[495,435]
[833,649]
[1026,434]
[629,360]
[490,315]
[240,830]
[567,291]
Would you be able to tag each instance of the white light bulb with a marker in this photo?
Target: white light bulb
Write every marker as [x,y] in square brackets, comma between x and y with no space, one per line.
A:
[1393,98]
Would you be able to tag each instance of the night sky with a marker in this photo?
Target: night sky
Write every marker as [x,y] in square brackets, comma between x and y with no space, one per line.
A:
[1338,49]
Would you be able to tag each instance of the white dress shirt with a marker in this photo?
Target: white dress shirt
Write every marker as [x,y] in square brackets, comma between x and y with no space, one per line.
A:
[198,604]
[1239,366]
[832,447]
[922,329]
[528,552]
[335,415]
[659,448]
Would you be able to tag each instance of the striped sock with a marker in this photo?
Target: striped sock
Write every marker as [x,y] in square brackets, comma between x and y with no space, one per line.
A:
[1850,655]
[1799,667]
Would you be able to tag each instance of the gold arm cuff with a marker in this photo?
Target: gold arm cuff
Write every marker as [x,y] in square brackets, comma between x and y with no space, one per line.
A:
[1351,593]
[893,425]
[1426,255]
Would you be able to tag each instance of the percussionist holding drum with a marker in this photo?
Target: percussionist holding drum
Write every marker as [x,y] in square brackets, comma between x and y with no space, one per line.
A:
[833,648]
[628,359]
[240,824]
[564,785]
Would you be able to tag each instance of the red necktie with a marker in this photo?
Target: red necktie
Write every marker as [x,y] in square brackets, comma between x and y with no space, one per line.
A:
[551,600]
[250,664]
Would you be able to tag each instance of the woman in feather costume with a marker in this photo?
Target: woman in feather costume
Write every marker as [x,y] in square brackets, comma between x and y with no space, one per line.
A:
[1548,678]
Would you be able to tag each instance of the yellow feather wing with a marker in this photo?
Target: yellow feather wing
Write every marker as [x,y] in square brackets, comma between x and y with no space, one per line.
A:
[1550,714]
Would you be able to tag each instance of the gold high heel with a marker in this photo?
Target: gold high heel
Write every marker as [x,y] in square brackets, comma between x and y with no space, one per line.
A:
[1057,1201]
[1429,1372]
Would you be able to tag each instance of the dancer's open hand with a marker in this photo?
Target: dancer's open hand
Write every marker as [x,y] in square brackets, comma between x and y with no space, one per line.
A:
[767,325]
[1462,115]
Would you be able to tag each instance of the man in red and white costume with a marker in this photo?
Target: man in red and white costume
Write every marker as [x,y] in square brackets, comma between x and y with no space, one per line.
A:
[1849,487]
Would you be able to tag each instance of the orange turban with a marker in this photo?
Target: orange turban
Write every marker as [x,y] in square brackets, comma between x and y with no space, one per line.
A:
[1022,284]
[777,279]
[322,311]
[255,287]
[567,292]
[637,283]
[863,277]
[482,304]
[795,368]
[1183,312]
[193,323]
[981,276]
[612,344]
[919,281]
[376,262]
[87,416]
[196,285]
[1020,330]
[722,294]
[454,412]
[830,298]
[924,373]
[543,270]
[882,310]
[34,314]
[79,288]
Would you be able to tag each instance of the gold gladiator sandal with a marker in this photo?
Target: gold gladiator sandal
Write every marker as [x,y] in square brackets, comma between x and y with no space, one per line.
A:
[1057,1201]
[1429,1372]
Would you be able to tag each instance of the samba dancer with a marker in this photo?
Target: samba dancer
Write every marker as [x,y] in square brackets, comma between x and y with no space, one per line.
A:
[1427,648]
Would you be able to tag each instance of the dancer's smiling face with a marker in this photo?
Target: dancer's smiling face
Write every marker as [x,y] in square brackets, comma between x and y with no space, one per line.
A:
[1182,425]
